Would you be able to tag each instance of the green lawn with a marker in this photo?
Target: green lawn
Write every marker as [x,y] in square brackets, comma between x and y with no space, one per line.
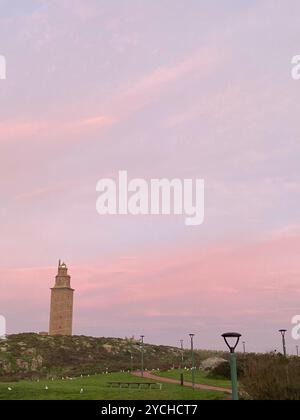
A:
[96,388]
[201,377]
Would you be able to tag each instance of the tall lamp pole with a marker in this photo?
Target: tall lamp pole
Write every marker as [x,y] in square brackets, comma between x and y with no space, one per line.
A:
[142,355]
[181,342]
[193,360]
[233,368]
[131,361]
[283,333]
[297,351]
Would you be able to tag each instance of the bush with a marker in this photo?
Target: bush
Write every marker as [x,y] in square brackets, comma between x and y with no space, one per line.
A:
[220,371]
[223,371]
[272,377]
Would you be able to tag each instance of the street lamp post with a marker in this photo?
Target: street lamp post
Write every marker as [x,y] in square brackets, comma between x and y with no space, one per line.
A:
[142,355]
[297,351]
[181,342]
[131,361]
[283,332]
[233,368]
[193,360]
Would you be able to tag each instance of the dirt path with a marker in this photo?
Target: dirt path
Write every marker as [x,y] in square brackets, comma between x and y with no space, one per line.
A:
[188,384]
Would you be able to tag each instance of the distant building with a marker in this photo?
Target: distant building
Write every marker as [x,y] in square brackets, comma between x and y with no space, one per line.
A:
[61,311]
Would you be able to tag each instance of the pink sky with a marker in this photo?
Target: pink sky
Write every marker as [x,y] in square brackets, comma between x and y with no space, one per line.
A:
[172,89]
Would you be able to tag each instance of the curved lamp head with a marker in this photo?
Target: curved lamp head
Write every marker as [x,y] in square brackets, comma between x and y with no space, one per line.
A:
[234,339]
[283,332]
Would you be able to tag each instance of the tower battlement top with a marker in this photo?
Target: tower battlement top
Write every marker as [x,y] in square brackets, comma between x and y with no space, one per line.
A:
[62,278]
[62,264]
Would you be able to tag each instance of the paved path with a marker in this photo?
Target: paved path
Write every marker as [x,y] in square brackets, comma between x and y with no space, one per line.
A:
[175,381]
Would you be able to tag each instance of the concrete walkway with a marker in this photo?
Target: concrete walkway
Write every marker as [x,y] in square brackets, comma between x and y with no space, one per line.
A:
[148,375]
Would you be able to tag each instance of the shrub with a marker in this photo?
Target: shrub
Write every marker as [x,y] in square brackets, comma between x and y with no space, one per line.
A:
[272,377]
[223,371]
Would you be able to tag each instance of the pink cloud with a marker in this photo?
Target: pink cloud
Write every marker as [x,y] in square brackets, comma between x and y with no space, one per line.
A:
[19,129]
[126,102]
[100,121]
[38,192]
[230,270]
[138,94]
[49,130]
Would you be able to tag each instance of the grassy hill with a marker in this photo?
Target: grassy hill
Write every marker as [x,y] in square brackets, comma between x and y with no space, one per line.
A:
[96,388]
[29,356]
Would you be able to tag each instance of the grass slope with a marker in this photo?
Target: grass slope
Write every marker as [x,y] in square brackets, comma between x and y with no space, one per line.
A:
[96,388]
[200,376]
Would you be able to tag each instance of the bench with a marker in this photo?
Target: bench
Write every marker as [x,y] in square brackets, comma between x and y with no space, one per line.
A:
[137,385]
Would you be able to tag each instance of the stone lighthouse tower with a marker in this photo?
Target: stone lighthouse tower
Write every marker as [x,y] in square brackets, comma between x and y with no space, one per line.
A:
[61,312]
